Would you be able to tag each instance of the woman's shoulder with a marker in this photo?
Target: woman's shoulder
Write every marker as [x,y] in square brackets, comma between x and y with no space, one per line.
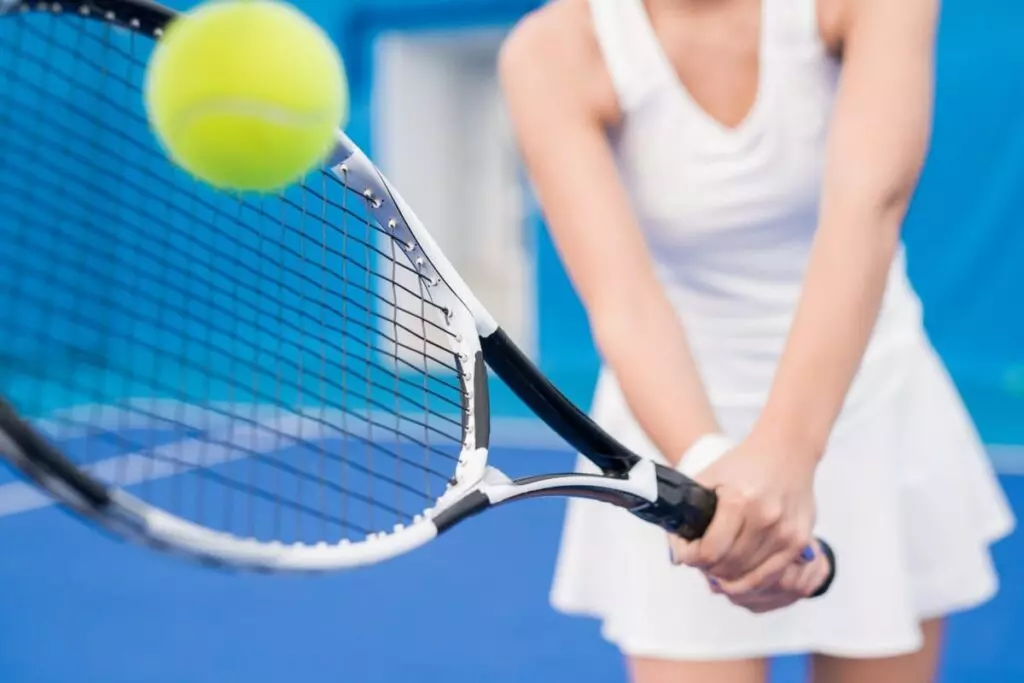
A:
[557,38]
[555,47]
[568,20]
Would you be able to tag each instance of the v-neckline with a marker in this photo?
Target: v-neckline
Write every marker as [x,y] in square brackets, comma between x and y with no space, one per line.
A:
[680,87]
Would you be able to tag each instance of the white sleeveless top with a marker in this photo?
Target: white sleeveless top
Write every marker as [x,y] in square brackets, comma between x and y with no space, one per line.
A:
[729,214]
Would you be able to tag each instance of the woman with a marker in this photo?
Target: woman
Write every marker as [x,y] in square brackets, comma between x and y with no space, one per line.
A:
[726,181]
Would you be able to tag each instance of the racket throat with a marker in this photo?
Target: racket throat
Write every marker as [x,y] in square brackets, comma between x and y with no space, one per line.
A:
[468,495]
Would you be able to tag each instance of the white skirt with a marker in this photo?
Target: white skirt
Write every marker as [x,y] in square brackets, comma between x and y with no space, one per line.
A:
[905,495]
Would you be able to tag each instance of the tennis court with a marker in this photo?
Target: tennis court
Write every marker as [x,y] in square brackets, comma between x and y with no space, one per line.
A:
[472,607]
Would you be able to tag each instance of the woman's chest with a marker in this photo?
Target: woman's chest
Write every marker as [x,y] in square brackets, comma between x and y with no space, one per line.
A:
[689,175]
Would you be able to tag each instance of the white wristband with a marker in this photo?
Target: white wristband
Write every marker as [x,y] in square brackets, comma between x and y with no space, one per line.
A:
[703,453]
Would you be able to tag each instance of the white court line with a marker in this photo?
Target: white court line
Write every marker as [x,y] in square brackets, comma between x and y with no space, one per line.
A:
[263,429]
[273,429]
[221,446]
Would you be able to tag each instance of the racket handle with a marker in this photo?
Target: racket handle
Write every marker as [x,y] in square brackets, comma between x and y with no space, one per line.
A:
[830,556]
[686,508]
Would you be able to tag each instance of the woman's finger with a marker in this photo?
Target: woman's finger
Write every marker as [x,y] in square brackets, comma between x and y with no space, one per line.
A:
[786,591]
[760,603]
[748,552]
[797,579]
[813,573]
[763,578]
[716,543]
[768,573]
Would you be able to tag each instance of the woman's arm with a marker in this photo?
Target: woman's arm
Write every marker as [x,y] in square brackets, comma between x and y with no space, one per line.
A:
[876,150]
[559,101]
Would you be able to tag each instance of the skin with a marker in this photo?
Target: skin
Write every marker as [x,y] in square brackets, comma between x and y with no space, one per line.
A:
[562,102]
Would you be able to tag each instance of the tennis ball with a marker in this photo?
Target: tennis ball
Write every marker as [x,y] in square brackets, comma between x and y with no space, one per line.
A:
[246,95]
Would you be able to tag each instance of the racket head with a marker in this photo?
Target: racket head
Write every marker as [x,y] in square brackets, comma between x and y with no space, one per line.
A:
[172,348]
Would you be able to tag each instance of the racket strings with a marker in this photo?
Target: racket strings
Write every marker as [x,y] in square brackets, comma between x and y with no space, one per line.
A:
[160,307]
[86,246]
[156,156]
[231,437]
[83,160]
[272,366]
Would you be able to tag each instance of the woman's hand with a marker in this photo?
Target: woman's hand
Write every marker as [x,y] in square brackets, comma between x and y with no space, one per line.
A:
[756,549]
[798,581]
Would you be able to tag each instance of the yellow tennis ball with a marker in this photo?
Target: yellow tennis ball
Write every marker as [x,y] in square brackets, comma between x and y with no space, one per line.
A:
[246,95]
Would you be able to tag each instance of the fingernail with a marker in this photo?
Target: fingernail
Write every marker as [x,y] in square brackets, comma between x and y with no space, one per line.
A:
[808,554]
[714,583]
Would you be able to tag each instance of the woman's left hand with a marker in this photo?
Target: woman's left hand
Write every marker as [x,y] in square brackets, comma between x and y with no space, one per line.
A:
[756,549]
[798,580]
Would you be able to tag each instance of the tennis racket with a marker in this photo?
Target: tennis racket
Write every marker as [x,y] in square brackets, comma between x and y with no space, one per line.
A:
[296,383]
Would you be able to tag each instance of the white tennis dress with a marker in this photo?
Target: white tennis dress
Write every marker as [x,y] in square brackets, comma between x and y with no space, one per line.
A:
[905,493]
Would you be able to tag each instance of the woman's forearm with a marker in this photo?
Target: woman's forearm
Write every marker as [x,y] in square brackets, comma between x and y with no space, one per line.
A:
[843,292]
[644,345]
[877,145]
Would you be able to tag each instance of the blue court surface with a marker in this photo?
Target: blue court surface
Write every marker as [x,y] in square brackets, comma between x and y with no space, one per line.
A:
[77,607]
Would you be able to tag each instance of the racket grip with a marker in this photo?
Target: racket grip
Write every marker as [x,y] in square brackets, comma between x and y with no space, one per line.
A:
[686,508]
[830,557]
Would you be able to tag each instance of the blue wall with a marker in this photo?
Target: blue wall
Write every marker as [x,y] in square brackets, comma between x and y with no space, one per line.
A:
[964,236]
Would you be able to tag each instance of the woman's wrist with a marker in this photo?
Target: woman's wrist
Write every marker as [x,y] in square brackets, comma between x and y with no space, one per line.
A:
[797,438]
[703,452]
